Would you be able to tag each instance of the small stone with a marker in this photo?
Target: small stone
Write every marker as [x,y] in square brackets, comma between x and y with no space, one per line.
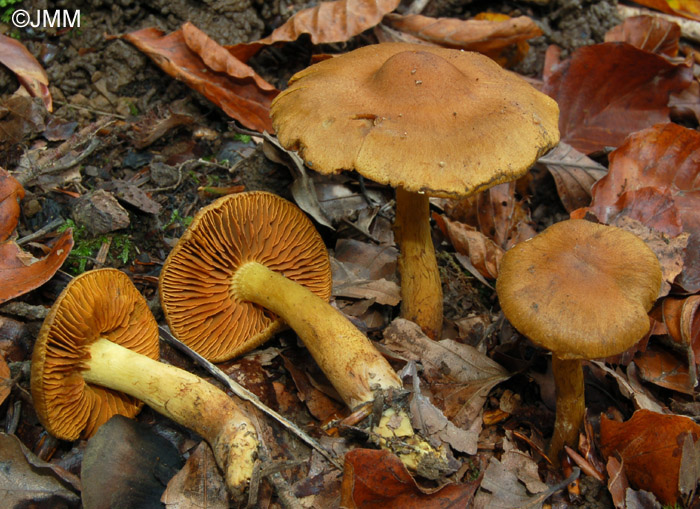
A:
[100,212]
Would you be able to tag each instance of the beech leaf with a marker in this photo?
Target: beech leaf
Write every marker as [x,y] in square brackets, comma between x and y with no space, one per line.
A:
[649,33]
[686,8]
[28,70]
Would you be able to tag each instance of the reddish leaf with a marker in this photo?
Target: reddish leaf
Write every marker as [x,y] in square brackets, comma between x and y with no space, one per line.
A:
[488,36]
[326,22]
[617,482]
[687,8]
[605,91]
[649,33]
[378,479]
[11,192]
[240,95]
[650,447]
[20,272]
[574,174]
[503,218]
[664,369]
[664,157]
[29,72]
[5,380]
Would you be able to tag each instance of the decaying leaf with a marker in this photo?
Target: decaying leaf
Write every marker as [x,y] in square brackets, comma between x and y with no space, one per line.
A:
[631,388]
[687,8]
[377,478]
[650,446]
[242,95]
[663,368]
[606,91]
[5,381]
[459,376]
[689,473]
[11,193]
[502,217]
[198,484]
[488,36]
[663,157]
[483,253]
[522,464]
[326,22]
[30,73]
[617,482]
[27,481]
[574,174]
[20,118]
[649,33]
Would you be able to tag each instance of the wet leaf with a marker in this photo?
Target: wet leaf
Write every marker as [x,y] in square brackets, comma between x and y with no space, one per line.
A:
[574,174]
[242,95]
[605,91]
[459,376]
[663,157]
[483,253]
[21,272]
[650,447]
[375,479]
[198,484]
[686,8]
[126,461]
[29,72]
[488,36]
[27,481]
[662,368]
[327,22]
[649,33]
[11,193]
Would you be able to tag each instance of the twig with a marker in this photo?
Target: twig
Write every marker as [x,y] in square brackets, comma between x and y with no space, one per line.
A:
[246,395]
[41,231]
[91,110]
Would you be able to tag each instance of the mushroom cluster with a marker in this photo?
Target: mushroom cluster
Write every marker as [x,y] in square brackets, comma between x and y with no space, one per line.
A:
[581,290]
[97,355]
[428,121]
[252,260]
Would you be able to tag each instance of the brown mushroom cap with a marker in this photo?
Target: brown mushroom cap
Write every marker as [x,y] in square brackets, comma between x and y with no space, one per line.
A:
[96,304]
[447,122]
[582,290]
[195,284]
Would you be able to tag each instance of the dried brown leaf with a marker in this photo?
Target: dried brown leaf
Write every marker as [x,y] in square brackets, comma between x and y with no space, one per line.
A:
[29,71]
[11,193]
[503,218]
[243,95]
[5,381]
[198,484]
[574,174]
[326,22]
[660,367]
[686,8]
[649,33]
[681,316]
[606,91]
[21,117]
[617,482]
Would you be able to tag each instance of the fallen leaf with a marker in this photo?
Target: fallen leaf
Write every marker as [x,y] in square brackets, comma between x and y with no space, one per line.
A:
[689,472]
[5,380]
[459,376]
[662,368]
[21,118]
[319,404]
[363,260]
[488,36]
[11,193]
[640,499]
[502,217]
[27,481]
[126,461]
[522,464]
[379,290]
[663,157]
[650,447]
[376,479]
[617,482]
[198,484]
[681,316]
[20,272]
[686,8]
[685,105]
[28,70]
[574,174]
[327,22]
[649,33]
[240,95]
[482,252]
[631,387]
[134,196]
[606,91]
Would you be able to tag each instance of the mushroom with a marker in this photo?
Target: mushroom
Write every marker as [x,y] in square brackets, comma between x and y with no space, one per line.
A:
[428,121]
[581,290]
[249,255]
[96,356]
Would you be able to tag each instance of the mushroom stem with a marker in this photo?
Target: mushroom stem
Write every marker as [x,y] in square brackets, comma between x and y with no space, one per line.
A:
[350,361]
[571,405]
[183,397]
[421,289]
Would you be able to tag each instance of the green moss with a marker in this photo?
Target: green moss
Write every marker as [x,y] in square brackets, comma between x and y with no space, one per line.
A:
[85,248]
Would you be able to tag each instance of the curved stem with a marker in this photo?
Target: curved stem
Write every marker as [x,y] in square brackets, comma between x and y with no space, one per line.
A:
[571,405]
[186,399]
[350,361]
[421,289]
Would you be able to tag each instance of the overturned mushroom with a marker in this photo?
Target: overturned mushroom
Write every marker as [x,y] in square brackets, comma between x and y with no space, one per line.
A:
[581,290]
[96,356]
[247,255]
[428,121]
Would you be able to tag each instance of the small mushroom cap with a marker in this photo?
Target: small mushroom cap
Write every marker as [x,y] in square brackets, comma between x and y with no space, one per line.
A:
[97,304]
[447,122]
[582,290]
[195,283]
